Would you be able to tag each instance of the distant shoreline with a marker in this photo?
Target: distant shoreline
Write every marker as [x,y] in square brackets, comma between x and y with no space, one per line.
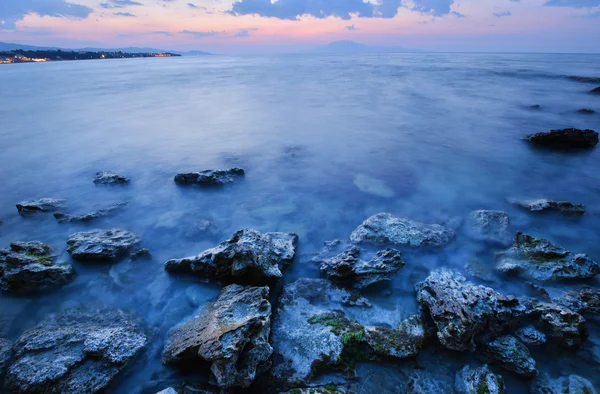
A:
[43,56]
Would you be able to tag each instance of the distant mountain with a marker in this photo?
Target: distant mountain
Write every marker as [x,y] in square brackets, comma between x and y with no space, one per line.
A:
[356,47]
[6,46]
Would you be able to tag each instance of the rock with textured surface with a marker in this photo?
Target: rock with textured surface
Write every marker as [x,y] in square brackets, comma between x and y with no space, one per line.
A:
[101,245]
[531,336]
[510,354]
[5,354]
[572,384]
[384,228]
[231,333]
[490,226]
[545,205]
[249,257]
[478,380]
[142,254]
[462,310]
[328,389]
[110,178]
[77,351]
[209,177]
[563,326]
[62,217]
[41,205]
[585,301]
[28,267]
[564,139]
[169,390]
[402,342]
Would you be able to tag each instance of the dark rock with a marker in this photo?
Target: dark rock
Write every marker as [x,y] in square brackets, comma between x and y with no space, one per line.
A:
[77,351]
[110,178]
[530,336]
[142,254]
[231,333]
[328,389]
[563,326]
[544,205]
[62,217]
[586,111]
[41,205]
[585,301]
[384,228]
[402,342]
[564,139]
[249,257]
[595,90]
[478,269]
[100,245]
[535,107]
[510,354]
[5,354]
[538,291]
[29,267]
[478,380]
[209,177]
[462,310]
[490,226]
[571,384]
[584,79]
[537,258]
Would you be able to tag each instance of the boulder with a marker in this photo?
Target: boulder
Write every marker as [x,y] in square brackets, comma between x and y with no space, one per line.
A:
[209,177]
[248,257]
[544,205]
[585,301]
[41,205]
[402,342]
[563,326]
[586,111]
[28,267]
[478,380]
[62,217]
[462,311]
[232,334]
[530,336]
[77,351]
[110,178]
[595,90]
[142,254]
[537,258]
[490,226]
[510,354]
[572,384]
[5,354]
[383,228]
[564,139]
[101,245]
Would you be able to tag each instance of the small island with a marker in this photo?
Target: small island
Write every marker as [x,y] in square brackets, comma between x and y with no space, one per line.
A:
[40,56]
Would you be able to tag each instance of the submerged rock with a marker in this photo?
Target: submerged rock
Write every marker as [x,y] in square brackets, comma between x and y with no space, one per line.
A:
[110,178]
[585,301]
[142,254]
[478,269]
[544,205]
[564,139]
[384,228]
[595,90]
[531,336]
[535,107]
[249,257]
[41,205]
[28,267]
[584,79]
[373,186]
[510,354]
[62,217]
[5,354]
[572,384]
[462,310]
[101,245]
[77,351]
[537,258]
[209,177]
[478,380]
[563,326]
[586,111]
[491,226]
[231,333]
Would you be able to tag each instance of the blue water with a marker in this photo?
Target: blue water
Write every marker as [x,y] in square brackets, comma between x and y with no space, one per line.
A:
[438,134]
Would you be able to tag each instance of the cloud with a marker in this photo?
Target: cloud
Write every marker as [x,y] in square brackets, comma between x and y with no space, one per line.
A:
[202,34]
[351,27]
[128,14]
[595,14]
[459,15]
[502,14]
[573,3]
[12,11]
[192,5]
[245,32]
[119,3]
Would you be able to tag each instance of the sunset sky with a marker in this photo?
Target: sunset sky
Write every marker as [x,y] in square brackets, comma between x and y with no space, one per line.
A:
[262,26]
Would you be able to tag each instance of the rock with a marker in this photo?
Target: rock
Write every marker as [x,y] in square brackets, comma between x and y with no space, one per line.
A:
[585,301]
[5,354]
[373,186]
[490,226]
[572,384]
[328,389]
[530,336]
[62,217]
[595,90]
[110,178]
[77,351]
[478,380]
[169,390]
[348,268]
[584,79]
[563,326]
[564,139]
[249,257]
[403,342]
[209,177]
[142,254]
[29,267]
[41,205]
[100,245]
[544,205]
[537,258]
[462,310]
[477,269]
[535,107]
[538,291]
[510,354]
[586,111]
[231,333]
[384,228]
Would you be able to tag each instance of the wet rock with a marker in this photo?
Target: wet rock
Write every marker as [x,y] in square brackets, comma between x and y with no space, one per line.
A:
[231,333]
[328,389]
[41,205]
[563,326]
[544,205]
[101,245]
[348,268]
[169,390]
[249,257]
[538,291]
[403,342]
[477,269]
[5,354]
[77,351]
[585,301]
[595,90]
[142,254]
[462,310]
[572,384]
[510,354]
[478,380]
[376,187]
[584,79]
[209,177]
[383,228]
[537,258]
[530,336]
[535,107]
[110,178]
[586,111]
[564,139]
[28,267]
[490,226]
[62,217]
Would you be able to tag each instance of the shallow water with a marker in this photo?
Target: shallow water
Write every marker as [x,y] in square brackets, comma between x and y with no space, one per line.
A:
[326,141]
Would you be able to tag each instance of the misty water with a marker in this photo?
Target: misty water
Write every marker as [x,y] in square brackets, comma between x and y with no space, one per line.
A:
[326,141]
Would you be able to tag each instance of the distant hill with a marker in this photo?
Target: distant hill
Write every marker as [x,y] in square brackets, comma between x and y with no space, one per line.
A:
[356,47]
[6,46]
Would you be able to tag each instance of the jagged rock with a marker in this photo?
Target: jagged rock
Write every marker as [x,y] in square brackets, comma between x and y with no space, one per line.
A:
[41,205]
[5,354]
[29,267]
[348,268]
[572,384]
[231,333]
[110,178]
[544,205]
[249,257]
[585,301]
[405,341]
[462,310]
[586,111]
[537,258]
[478,380]
[563,326]
[142,254]
[62,217]
[77,351]
[565,138]
[209,177]
[101,245]
[328,389]
[538,291]
[490,226]
[510,354]
[383,228]
[595,90]
[530,336]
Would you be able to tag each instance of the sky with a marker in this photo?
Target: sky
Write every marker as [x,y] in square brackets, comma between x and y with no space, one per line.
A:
[287,26]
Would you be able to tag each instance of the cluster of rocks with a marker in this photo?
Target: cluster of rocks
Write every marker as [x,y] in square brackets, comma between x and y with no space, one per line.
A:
[564,139]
